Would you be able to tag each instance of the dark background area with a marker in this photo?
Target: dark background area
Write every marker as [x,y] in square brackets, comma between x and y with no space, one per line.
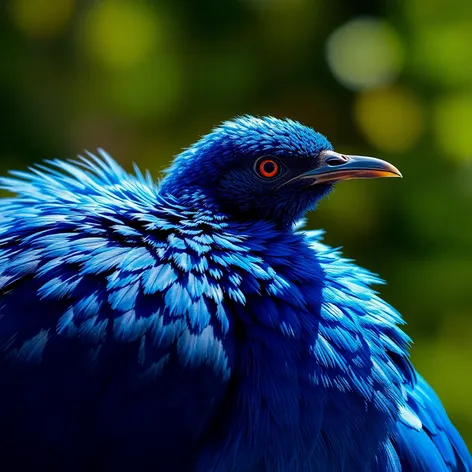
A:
[144,79]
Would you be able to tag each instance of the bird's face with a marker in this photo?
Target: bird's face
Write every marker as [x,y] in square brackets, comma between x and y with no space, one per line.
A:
[268,169]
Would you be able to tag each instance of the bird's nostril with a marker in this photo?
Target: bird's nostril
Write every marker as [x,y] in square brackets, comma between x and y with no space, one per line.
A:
[336,160]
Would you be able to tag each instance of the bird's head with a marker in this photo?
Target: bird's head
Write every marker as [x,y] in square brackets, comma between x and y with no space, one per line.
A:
[266,168]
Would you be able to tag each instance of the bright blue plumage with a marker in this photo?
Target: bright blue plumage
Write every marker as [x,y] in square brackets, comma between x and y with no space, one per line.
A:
[190,326]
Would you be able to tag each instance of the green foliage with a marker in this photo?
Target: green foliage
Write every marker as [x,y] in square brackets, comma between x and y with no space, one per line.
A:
[144,79]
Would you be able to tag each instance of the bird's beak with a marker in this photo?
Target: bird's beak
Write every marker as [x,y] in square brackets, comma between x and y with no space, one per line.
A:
[333,167]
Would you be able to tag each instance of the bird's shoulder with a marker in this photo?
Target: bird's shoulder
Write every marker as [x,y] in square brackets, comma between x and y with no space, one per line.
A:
[111,258]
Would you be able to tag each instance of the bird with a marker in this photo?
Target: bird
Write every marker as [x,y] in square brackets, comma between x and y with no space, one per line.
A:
[194,323]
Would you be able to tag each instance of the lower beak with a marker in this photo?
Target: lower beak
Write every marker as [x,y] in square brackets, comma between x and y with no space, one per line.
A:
[334,167]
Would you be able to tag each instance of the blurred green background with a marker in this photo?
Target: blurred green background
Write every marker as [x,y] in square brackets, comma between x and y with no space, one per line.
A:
[391,79]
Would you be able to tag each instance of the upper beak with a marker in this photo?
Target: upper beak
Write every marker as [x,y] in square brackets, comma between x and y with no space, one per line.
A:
[334,166]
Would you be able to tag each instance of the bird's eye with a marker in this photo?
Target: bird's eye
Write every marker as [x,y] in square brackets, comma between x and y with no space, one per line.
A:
[268,168]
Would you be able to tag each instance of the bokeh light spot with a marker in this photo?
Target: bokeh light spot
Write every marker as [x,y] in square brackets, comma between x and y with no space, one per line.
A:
[452,126]
[119,34]
[391,119]
[442,53]
[365,53]
[41,18]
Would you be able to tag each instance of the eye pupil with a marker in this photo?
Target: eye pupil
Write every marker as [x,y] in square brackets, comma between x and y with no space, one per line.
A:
[268,168]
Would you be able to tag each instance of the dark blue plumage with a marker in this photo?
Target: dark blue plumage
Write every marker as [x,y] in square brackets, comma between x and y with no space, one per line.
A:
[193,326]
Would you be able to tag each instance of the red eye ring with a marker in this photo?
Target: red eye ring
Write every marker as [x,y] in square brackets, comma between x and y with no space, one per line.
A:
[268,168]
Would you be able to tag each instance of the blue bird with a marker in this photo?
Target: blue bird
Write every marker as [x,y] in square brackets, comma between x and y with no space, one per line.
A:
[194,326]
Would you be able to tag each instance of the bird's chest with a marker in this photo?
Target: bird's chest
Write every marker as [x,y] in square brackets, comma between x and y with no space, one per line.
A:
[297,411]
